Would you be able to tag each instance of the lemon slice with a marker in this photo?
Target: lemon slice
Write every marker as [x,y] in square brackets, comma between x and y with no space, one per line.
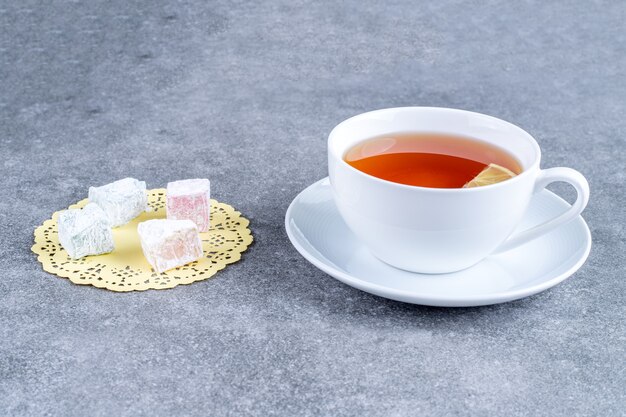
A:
[492,174]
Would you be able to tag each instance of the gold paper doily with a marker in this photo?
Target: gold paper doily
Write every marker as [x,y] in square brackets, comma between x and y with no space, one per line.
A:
[126,269]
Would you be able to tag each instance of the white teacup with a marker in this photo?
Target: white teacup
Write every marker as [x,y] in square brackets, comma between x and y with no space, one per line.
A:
[439,230]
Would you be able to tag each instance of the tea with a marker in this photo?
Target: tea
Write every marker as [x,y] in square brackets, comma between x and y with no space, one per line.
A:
[427,159]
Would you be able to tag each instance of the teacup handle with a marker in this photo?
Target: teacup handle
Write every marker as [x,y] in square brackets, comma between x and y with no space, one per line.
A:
[545,177]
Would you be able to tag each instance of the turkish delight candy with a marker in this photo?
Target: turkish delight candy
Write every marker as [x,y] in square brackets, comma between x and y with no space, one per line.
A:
[168,243]
[122,200]
[85,231]
[191,200]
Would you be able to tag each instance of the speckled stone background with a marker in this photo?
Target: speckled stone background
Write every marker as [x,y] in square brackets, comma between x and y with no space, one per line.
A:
[245,93]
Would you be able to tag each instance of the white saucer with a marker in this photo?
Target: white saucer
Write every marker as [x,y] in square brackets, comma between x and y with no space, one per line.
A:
[317,231]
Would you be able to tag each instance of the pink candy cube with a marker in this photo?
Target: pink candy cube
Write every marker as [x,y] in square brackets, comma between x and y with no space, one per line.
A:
[190,200]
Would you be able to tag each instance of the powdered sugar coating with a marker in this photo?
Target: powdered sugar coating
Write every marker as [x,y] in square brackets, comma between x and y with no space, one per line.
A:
[122,200]
[85,231]
[168,244]
[190,200]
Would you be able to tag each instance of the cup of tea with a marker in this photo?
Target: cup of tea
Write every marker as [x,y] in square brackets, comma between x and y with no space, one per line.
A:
[406,182]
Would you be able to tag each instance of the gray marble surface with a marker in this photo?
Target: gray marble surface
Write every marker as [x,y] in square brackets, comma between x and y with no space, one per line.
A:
[245,93]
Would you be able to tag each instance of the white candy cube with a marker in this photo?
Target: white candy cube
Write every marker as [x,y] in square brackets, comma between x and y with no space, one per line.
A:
[167,244]
[121,200]
[85,231]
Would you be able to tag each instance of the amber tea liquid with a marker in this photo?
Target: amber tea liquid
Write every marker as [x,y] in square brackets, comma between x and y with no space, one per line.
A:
[427,159]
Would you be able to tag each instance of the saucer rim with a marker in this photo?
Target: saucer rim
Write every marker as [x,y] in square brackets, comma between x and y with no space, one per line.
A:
[425,299]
